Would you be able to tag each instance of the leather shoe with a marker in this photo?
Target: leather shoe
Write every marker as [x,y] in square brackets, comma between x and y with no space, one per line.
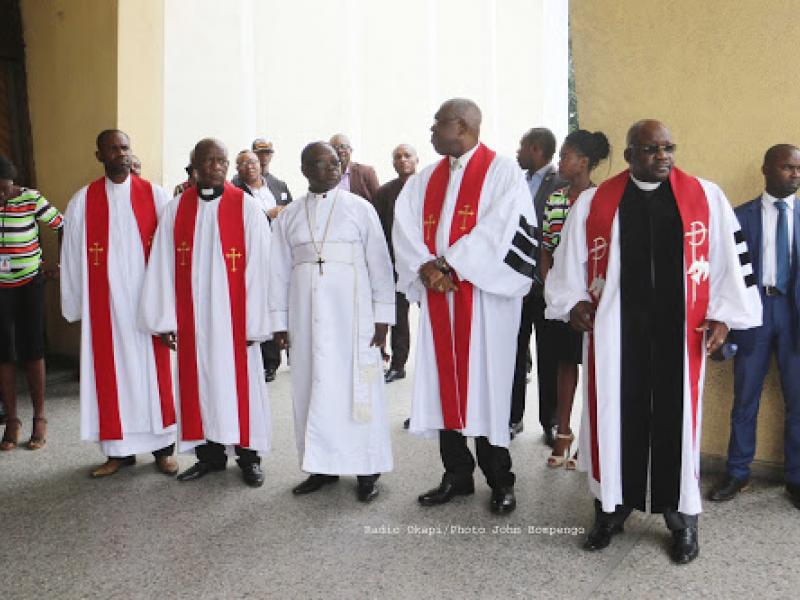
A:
[503,500]
[446,491]
[313,483]
[600,535]
[167,465]
[198,470]
[407,423]
[251,473]
[515,429]
[394,375]
[684,545]
[112,465]
[794,493]
[269,375]
[366,491]
[728,488]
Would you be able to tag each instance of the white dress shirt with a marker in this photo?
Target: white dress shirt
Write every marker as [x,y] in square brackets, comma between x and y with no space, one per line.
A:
[769,223]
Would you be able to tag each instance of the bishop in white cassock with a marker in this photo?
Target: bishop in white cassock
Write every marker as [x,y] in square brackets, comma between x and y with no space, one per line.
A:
[650,268]
[206,284]
[464,244]
[332,300]
[126,389]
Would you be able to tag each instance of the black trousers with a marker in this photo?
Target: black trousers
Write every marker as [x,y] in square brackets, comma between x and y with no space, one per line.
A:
[675,520]
[214,454]
[270,355]
[494,461]
[165,451]
[400,334]
[546,365]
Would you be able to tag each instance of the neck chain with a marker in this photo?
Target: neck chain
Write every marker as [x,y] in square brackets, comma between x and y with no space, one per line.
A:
[318,249]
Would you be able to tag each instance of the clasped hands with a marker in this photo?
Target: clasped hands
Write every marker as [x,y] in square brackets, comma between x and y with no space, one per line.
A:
[434,278]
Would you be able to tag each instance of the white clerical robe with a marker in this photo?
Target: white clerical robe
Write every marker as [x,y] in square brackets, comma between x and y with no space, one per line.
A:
[330,311]
[730,302]
[496,257]
[212,319]
[137,384]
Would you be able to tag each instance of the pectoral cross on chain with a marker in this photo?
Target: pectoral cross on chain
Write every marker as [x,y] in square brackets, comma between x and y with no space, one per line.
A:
[96,249]
[233,255]
[319,262]
[429,222]
[464,213]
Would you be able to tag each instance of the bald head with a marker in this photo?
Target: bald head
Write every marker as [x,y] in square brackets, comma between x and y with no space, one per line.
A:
[457,127]
[344,149]
[781,170]
[649,150]
[211,162]
[321,166]
[405,160]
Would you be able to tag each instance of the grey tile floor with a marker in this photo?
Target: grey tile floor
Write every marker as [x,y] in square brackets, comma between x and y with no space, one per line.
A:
[140,534]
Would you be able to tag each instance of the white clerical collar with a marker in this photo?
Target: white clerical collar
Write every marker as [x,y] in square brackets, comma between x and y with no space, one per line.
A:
[768,200]
[461,161]
[646,186]
[323,195]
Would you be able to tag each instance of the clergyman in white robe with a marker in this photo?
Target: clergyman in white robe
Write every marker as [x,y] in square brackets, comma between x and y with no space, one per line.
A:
[139,401]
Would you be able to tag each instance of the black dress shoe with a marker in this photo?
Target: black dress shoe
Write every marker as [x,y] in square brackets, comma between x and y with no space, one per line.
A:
[198,470]
[406,423]
[394,375]
[366,491]
[600,535]
[728,488]
[251,473]
[269,375]
[313,483]
[684,545]
[503,500]
[446,491]
[515,429]
[550,436]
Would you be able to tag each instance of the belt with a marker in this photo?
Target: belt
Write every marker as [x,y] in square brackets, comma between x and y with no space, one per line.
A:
[338,252]
[770,290]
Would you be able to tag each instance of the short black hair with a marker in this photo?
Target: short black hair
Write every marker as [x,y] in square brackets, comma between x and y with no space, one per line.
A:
[101,136]
[543,139]
[310,148]
[7,169]
[777,151]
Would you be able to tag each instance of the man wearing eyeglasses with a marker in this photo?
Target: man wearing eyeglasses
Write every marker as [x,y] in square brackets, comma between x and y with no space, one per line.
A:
[650,269]
[357,179]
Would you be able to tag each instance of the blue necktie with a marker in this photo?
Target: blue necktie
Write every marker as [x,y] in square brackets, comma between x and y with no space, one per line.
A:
[782,249]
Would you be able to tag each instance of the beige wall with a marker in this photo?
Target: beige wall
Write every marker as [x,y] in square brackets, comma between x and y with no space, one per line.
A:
[72,73]
[716,72]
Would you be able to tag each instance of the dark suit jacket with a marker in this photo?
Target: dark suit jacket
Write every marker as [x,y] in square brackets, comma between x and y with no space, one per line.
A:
[278,189]
[550,183]
[363,181]
[749,215]
[384,201]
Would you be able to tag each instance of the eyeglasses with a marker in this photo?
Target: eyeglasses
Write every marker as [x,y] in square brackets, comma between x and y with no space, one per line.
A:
[654,148]
[249,163]
[338,147]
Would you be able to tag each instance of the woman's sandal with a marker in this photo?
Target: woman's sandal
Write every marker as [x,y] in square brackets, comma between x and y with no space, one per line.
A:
[557,459]
[37,442]
[9,442]
[572,462]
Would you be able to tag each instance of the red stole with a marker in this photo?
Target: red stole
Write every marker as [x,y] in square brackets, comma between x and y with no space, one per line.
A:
[105,373]
[452,356]
[230,219]
[693,208]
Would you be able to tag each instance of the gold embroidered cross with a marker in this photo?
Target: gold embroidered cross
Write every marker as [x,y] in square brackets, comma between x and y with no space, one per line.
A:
[96,249]
[429,222]
[464,213]
[233,254]
[183,248]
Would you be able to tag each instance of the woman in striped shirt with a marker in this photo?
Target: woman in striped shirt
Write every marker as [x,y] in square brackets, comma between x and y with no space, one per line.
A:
[22,300]
[580,154]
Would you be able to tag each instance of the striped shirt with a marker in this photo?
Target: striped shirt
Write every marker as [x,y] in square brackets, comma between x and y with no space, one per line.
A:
[555,213]
[19,235]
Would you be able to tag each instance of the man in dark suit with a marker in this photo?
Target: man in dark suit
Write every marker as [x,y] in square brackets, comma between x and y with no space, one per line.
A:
[356,178]
[536,150]
[265,150]
[771,228]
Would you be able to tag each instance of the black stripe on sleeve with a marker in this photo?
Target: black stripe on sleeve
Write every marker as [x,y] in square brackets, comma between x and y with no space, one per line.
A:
[749,280]
[519,264]
[523,244]
[744,258]
[530,230]
[738,235]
